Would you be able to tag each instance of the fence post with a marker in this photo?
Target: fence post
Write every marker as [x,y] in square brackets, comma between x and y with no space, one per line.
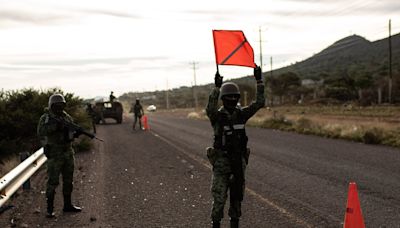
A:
[27,184]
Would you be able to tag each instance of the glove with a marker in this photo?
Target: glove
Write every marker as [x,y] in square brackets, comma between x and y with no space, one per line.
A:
[218,80]
[77,134]
[257,73]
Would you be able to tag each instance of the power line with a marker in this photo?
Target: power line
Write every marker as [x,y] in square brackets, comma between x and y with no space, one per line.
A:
[167,95]
[390,61]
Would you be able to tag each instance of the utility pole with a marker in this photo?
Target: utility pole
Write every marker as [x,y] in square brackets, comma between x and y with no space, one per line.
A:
[271,65]
[167,96]
[271,97]
[390,62]
[194,86]
[259,31]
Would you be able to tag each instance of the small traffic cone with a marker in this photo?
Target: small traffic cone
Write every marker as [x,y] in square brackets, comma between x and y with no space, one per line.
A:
[353,217]
[145,123]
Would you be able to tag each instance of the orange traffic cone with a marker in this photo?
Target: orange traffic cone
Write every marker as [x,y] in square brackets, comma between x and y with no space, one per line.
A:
[145,123]
[353,217]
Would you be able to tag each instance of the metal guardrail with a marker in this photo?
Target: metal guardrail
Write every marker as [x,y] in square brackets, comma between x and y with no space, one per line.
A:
[10,183]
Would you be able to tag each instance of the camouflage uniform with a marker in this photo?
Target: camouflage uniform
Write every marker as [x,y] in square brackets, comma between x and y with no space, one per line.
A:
[112,97]
[57,142]
[92,115]
[137,109]
[229,156]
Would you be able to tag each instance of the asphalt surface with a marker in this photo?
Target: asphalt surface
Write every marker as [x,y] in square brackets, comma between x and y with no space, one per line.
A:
[161,178]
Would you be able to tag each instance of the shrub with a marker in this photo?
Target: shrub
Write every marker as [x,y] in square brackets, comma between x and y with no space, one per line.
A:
[19,115]
[392,138]
[373,136]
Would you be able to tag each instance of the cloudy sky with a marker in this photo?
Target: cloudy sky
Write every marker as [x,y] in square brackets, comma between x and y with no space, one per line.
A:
[90,47]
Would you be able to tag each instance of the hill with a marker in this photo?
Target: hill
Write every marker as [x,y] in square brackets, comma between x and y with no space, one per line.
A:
[349,52]
[349,68]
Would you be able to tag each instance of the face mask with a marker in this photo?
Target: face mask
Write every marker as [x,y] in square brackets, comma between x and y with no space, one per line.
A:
[230,103]
[57,109]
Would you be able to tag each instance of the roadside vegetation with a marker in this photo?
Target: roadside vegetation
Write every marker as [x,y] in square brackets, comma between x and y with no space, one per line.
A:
[19,115]
[370,125]
[346,91]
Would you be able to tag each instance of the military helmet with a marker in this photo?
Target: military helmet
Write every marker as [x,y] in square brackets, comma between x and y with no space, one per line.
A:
[56,98]
[229,88]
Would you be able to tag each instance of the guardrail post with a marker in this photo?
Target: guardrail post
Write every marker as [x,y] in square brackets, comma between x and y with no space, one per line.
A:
[27,184]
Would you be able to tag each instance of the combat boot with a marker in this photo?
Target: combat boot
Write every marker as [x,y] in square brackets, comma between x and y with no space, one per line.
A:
[216,224]
[234,223]
[50,208]
[68,207]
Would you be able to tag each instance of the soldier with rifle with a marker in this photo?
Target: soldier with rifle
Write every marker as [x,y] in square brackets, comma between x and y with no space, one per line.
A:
[229,154]
[57,131]
[92,115]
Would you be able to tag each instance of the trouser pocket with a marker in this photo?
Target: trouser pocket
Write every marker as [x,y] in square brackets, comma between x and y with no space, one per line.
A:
[211,155]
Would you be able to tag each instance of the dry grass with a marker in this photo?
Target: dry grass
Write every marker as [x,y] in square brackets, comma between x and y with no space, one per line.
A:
[373,125]
[194,115]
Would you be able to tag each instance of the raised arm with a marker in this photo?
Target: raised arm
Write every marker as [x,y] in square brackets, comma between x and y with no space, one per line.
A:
[212,106]
[250,110]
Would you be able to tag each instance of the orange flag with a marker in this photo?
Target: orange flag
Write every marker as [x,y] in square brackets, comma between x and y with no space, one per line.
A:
[232,48]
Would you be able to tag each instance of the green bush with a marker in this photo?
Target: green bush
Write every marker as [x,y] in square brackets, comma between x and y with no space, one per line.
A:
[19,115]
[373,136]
[392,138]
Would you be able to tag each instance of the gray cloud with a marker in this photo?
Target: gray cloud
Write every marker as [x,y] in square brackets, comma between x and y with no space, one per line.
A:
[52,16]
[93,65]
[110,13]
[21,16]
[330,8]
[77,62]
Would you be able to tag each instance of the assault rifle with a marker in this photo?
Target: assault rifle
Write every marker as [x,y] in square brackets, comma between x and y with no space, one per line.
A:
[75,127]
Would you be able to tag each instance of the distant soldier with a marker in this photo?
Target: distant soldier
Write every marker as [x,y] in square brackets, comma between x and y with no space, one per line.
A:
[138,112]
[92,115]
[112,97]
[57,139]
[100,110]
[229,156]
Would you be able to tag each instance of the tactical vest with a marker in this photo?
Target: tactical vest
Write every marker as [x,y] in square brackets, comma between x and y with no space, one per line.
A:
[230,134]
[137,108]
[63,137]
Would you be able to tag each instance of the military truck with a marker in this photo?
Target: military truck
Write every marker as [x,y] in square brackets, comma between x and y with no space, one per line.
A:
[108,109]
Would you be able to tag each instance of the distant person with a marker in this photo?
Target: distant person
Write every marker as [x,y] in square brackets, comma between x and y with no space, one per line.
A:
[92,115]
[229,155]
[138,112]
[57,140]
[112,97]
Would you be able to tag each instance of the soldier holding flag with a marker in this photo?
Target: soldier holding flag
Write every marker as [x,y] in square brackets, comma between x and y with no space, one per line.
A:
[229,154]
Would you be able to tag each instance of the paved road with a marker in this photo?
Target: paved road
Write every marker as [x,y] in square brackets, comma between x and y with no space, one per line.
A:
[305,178]
[161,178]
